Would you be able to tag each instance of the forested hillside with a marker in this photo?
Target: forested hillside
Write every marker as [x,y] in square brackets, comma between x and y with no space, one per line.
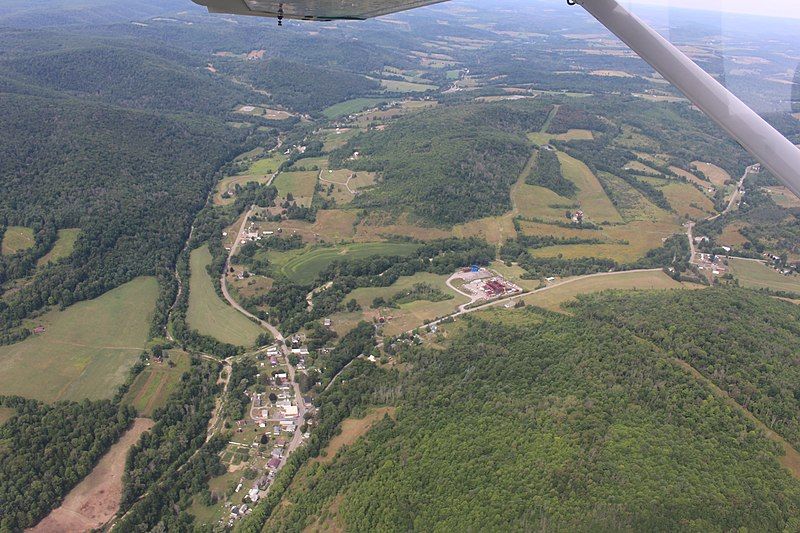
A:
[131,77]
[304,87]
[447,165]
[747,345]
[538,421]
[130,180]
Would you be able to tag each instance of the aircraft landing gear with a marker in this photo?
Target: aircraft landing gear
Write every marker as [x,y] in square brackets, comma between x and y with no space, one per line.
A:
[280,15]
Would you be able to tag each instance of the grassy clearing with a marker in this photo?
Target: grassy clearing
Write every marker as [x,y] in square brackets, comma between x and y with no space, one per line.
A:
[783,197]
[303,266]
[541,138]
[352,106]
[495,230]
[299,184]
[591,195]
[334,139]
[532,201]
[260,171]
[731,236]
[86,350]
[716,175]
[759,276]
[208,313]
[17,238]
[5,414]
[365,295]
[691,177]
[332,225]
[554,298]
[63,246]
[352,430]
[406,86]
[688,201]
[155,383]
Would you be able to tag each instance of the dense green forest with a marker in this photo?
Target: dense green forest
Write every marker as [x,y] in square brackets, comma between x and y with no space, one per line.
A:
[130,180]
[45,450]
[556,422]
[448,165]
[748,345]
[303,86]
[131,77]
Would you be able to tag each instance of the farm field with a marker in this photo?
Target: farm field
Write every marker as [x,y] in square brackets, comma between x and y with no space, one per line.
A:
[716,175]
[592,197]
[17,238]
[783,197]
[541,138]
[555,297]
[299,184]
[406,86]
[365,295]
[303,266]
[96,499]
[756,275]
[86,350]
[334,139]
[688,201]
[352,106]
[63,246]
[532,201]
[208,313]
[156,382]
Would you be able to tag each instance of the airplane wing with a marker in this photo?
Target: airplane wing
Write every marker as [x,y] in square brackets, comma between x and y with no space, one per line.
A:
[763,141]
[314,9]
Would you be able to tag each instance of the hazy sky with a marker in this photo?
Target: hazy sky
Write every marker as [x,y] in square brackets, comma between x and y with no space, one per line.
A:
[773,8]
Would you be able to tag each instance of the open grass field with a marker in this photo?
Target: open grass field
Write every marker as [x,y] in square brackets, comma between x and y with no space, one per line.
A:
[571,135]
[783,197]
[334,139]
[631,203]
[156,382]
[731,236]
[211,315]
[593,199]
[691,177]
[260,171]
[303,266]
[352,429]
[717,176]
[688,201]
[365,295]
[553,298]
[331,226]
[641,237]
[17,238]
[757,275]
[299,184]
[532,201]
[406,86]
[86,350]
[495,230]
[63,246]
[96,499]
[352,106]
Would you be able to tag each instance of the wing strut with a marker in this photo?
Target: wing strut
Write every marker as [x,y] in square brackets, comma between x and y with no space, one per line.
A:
[763,141]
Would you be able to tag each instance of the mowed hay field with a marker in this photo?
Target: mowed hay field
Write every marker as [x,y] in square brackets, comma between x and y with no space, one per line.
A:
[757,275]
[17,238]
[303,266]
[86,350]
[211,315]
[591,195]
[299,184]
[63,246]
[553,298]
[155,383]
